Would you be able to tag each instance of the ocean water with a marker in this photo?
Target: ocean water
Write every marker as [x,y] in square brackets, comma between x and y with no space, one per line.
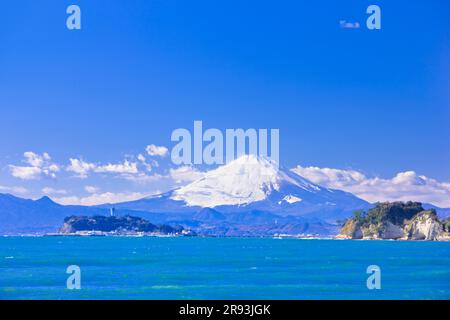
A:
[222,268]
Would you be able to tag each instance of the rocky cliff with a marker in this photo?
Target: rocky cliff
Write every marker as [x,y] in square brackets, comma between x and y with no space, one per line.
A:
[424,226]
[395,221]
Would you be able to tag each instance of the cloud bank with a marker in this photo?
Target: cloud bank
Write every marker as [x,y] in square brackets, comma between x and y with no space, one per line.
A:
[101,198]
[38,166]
[404,186]
[185,174]
[17,190]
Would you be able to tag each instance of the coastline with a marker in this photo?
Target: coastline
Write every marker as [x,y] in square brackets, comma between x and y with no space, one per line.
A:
[325,238]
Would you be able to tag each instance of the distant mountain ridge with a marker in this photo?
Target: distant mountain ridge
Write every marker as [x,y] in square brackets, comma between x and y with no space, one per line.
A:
[37,217]
[23,216]
[248,197]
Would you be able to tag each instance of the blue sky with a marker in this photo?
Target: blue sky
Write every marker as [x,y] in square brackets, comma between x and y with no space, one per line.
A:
[375,102]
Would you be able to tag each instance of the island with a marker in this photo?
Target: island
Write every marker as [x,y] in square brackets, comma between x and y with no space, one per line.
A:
[117,226]
[396,221]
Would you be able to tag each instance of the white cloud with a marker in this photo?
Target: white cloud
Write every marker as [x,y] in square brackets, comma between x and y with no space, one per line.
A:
[126,167]
[101,198]
[50,171]
[159,151]
[141,157]
[38,166]
[51,191]
[148,166]
[80,168]
[185,174]
[178,176]
[91,189]
[18,190]
[143,178]
[36,160]
[404,186]
[25,173]
[324,176]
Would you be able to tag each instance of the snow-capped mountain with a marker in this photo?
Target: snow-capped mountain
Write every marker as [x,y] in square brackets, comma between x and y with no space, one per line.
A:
[244,181]
[254,183]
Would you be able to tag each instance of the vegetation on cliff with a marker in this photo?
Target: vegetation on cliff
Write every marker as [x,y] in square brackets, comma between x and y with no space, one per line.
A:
[115,225]
[447,225]
[396,213]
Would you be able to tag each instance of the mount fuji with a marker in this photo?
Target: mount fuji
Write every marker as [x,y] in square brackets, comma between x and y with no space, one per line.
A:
[251,184]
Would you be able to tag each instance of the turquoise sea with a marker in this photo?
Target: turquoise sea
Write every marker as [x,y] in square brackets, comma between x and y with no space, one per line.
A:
[221,268]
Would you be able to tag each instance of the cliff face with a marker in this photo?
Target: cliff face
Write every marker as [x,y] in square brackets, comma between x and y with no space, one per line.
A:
[351,230]
[395,221]
[114,225]
[424,226]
